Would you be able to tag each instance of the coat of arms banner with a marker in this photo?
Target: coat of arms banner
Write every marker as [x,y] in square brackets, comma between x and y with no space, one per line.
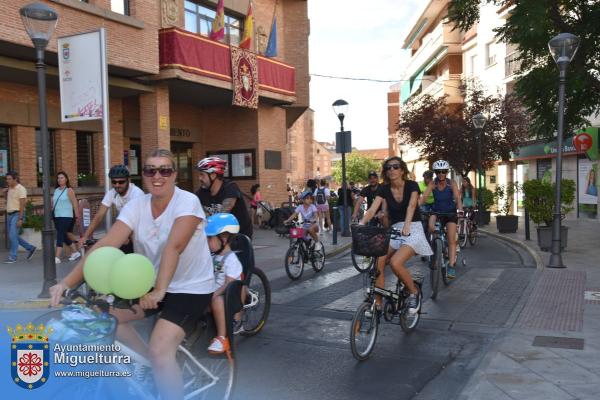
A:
[244,71]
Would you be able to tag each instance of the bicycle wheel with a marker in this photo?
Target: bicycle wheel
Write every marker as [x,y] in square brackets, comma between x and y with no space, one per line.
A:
[463,233]
[206,377]
[294,262]
[446,262]
[258,303]
[409,322]
[361,263]
[436,265]
[318,257]
[472,235]
[363,331]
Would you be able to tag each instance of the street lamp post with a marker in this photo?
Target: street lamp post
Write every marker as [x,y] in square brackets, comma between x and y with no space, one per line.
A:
[39,21]
[340,107]
[479,121]
[563,48]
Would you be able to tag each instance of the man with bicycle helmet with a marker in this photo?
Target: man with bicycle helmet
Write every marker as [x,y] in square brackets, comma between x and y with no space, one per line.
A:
[446,199]
[121,193]
[218,195]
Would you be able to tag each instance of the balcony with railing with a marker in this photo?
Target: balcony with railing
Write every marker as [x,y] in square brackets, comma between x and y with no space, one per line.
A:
[512,64]
[189,56]
[448,84]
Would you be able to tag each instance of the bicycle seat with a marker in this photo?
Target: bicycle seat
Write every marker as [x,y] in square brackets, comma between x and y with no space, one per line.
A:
[242,246]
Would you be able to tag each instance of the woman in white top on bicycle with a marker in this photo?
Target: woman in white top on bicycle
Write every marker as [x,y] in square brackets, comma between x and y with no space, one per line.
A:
[167,227]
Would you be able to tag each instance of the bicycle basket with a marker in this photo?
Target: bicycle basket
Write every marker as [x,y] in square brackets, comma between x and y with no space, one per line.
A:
[296,233]
[78,324]
[370,241]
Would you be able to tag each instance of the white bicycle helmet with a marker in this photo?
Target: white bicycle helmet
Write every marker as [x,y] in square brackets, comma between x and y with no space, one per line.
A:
[441,164]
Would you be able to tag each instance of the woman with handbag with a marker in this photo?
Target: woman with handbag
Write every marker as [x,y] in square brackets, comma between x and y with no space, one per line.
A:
[64,213]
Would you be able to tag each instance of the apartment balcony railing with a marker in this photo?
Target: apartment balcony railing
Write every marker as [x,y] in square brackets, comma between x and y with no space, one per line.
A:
[512,64]
[199,55]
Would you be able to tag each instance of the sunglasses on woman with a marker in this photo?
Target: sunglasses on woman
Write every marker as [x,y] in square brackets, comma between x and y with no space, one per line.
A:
[441,171]
[392,166]
[165,172]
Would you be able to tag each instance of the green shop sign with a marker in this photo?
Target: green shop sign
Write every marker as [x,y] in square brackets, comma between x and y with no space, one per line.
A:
[544,149]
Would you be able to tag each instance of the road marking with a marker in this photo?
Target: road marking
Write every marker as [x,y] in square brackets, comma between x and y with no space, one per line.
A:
[312,285]
[591,296]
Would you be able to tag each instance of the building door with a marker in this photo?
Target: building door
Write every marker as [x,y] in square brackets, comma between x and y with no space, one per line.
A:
[183,160]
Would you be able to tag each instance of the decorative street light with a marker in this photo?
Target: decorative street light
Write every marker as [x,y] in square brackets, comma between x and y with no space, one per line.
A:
[563,48]
[39,21]
[479,121]
[340,108]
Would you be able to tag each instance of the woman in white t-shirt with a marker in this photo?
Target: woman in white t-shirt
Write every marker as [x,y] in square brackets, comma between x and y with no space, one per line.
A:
[167,228]
[310,215]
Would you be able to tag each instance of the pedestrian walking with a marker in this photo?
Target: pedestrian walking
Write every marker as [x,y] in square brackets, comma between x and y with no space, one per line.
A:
[254,206]
[322,195]
[65,211]
[15,214]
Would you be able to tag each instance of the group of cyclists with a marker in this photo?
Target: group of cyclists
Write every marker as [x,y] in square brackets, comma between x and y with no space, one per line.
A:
[190,253]
[399,202]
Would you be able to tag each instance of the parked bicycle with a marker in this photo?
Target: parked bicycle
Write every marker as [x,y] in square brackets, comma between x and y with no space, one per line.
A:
[302,250]
[467,228]
[440,260]
[365,323]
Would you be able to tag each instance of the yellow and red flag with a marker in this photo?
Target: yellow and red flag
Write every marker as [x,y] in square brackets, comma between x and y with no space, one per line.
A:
[218,26]
[246,42]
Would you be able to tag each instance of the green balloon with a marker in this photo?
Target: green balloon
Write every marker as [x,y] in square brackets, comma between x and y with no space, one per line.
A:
[132,276]
[97,267]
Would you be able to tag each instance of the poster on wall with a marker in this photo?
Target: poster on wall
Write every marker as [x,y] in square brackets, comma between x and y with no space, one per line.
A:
[3,162]
[80,76]
[588,187]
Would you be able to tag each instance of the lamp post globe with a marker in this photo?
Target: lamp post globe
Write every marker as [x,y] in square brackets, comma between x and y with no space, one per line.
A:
[39,21]
[340,108]
[562,48]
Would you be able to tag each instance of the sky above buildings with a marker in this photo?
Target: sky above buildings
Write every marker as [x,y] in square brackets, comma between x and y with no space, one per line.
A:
[351,38]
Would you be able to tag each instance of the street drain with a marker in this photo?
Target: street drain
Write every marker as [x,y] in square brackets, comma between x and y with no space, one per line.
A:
[558,342]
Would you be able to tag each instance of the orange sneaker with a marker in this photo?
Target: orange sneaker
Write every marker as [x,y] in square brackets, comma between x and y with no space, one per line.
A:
[219,345]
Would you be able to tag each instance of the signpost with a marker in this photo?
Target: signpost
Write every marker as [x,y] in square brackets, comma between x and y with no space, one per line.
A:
[83,78]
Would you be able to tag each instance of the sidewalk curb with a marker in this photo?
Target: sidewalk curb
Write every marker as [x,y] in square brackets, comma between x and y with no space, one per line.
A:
[339,250]
[24,304]
[536,257]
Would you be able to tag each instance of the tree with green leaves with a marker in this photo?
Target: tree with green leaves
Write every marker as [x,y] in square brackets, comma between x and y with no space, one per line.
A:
[357,168]
[529,26]
[445,131]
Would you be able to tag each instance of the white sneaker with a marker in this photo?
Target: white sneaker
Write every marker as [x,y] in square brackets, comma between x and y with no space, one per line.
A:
[56,260]
[75,256]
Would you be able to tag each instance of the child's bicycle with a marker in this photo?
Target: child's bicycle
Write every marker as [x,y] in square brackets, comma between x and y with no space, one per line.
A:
[374,242]
[302,250]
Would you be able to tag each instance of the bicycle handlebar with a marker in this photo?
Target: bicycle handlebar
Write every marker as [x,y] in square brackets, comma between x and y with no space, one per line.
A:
[440,214]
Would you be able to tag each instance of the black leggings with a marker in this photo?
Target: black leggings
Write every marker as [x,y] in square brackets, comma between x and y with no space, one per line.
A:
[63,225]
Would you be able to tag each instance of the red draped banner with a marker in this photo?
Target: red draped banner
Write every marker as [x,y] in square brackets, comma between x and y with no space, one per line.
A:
[201,56]
[245,78]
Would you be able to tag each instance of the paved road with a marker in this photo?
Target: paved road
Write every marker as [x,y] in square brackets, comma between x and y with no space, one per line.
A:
[304,352]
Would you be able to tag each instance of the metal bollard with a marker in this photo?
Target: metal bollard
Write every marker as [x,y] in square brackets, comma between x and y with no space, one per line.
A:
[335,225]
[527,231]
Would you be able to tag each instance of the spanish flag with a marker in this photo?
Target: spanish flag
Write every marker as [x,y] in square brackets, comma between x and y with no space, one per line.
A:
[246,42]
[218,25]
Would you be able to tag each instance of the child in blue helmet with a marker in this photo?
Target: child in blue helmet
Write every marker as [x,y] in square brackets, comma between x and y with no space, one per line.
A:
[220,229]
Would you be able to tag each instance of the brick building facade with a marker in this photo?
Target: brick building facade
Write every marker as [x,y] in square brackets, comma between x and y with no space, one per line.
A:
[156,103]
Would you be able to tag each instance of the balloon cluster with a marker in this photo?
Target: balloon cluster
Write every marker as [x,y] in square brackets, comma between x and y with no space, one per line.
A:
[109,270]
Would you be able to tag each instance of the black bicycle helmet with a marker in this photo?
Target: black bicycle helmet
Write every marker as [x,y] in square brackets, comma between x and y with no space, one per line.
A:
[118,171]
[373,173]
[428,174]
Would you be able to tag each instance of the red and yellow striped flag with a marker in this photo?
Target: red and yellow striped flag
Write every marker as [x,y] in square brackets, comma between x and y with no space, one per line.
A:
[218,26]
[246,42]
